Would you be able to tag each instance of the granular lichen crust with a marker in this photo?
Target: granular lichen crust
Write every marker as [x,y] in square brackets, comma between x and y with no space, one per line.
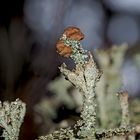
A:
[62,134]
[109,133]
[85,77]
[11,118]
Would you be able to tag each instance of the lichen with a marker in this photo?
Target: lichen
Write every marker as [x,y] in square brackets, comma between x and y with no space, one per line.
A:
[85,77]
[79,55]
[123,98]
[62,134]
[11,118]
[110,62]
[109,133]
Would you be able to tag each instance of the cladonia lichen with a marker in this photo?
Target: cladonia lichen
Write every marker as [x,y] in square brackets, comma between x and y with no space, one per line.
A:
[79,55]
[11,118]
[85,77]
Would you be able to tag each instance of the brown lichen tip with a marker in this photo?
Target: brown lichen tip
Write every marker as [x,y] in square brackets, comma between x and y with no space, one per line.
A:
[62,49]
[70,34]
[73,33]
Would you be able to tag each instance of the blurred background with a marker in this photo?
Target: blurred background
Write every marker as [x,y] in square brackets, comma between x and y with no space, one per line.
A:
[29,30]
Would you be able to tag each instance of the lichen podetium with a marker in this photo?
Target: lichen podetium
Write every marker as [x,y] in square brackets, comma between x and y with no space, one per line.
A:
[79,55]
[84,77]
[11,118]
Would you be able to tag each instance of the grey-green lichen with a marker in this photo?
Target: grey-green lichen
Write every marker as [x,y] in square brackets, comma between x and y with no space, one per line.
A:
[123,98]
[85,77]
[110,62]
[109,133]
[62,134]
[61,92]
[79,55]
[137,59]
[48,107]
[11,118]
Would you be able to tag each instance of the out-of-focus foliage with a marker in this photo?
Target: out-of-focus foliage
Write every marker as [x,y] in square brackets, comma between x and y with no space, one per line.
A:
[110,62]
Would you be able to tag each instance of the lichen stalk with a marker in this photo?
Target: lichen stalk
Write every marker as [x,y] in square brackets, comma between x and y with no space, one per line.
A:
[110,133]
[11,118]
[78,53]
[88,115]
[85,77]
[110,61]
[123,98]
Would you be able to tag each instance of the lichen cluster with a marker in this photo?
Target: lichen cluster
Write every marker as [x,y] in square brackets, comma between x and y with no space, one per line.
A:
[79,55]
[85,77]
[11,118]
